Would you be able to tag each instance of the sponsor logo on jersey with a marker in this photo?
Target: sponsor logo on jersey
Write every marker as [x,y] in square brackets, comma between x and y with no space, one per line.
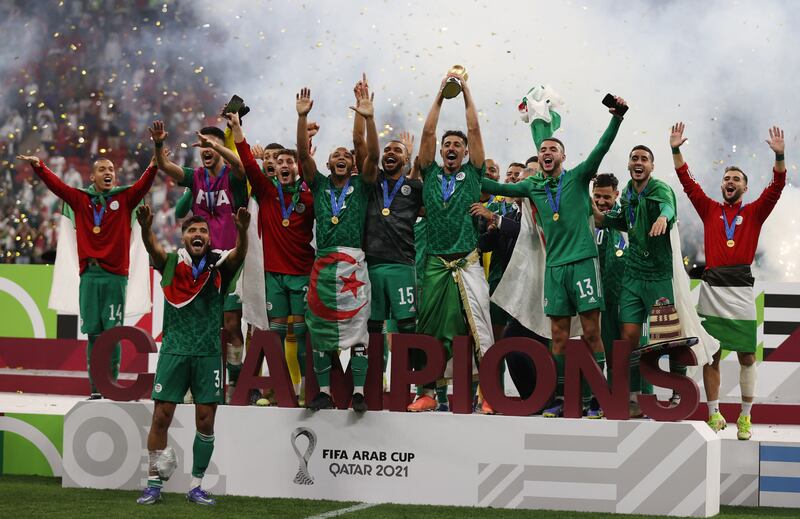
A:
[269,305]
[157,388]
[114,205]
[461,176]
[406,190]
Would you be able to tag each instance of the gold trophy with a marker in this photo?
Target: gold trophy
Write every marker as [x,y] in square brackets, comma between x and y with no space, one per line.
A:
[453,85]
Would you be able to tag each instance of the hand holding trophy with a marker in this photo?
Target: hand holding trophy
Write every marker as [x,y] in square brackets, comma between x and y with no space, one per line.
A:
[452,87]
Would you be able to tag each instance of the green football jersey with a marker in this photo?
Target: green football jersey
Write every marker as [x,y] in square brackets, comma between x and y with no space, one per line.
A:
[568,236]
[450,227]
[612,256]
[349,231]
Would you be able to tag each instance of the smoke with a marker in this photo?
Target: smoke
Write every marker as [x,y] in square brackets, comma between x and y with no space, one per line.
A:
[726,70]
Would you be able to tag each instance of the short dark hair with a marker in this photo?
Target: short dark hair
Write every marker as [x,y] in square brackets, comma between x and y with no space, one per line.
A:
[457,133]
[195,218]
[645,148]
[517,164]
[275,146]
[606,180]
[736,168]
[532,159]
[213,130]
[563,149]
[291,153]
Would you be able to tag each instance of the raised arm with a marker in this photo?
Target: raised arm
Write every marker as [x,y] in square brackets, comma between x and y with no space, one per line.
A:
[236,257]
[307,165]
[257,179]
[159,134]
[427,143]
[701,202]
[145,217]
[227,154]
[366,110]
[359,127]
[66,193]
[588,168]
[140,188]
[407,138]
[518,190]
[769,197]
[476,154]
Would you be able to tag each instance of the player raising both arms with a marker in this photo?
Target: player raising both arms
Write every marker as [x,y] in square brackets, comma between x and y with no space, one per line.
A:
[339,289]
[450,309]
[194,279]
[218,187]
[102,216]
[727,301]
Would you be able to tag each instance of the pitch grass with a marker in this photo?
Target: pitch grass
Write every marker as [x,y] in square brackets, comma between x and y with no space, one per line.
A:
[30,496]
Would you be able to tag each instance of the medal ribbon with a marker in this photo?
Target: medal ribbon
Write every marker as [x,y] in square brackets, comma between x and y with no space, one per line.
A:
[730,229]
[337,204]
[211,201]
[554,205]
[448,186]
[387,198]
[98,215]
[287,211]
[198,269]
[631,212]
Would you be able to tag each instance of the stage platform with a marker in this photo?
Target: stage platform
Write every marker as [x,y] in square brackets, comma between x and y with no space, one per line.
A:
[621,466]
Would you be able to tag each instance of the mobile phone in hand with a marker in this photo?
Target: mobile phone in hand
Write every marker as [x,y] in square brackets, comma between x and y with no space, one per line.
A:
[610,102]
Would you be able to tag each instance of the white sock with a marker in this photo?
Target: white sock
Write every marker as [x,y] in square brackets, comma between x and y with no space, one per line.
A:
[325,389]
[196,482]
[746,407]
[713,407]
[358,389]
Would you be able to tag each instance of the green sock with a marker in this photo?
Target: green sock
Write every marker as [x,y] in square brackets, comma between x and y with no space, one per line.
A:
[600,358]
[300,335]
[201,451]
[441,395]
[559,358]
[636,377]
[322,368]
[116,356]
[89,348]
[154,481]
[473,390]
[674,367]
[358,365]
[234,370]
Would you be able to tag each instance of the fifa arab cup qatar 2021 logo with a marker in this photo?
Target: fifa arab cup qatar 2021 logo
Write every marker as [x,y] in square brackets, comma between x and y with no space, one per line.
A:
[303,477]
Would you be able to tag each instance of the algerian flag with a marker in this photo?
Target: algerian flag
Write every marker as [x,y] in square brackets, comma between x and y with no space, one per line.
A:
[521,290]
[178,282]
[338,299]
[64,291]
[537,109]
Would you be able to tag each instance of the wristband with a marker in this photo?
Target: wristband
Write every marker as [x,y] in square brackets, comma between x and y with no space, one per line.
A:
[778,157]
[675,151]
[159,144]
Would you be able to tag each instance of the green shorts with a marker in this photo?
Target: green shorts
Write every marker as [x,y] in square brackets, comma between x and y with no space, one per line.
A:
[233,303]
[177,373]
[101,298]
[573,288]
[393,291]
[610,327]
[638,297]
[286,294]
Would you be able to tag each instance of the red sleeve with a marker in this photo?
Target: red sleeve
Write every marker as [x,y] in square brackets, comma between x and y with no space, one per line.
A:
[70,195]
[769,197]
[697,196]
[140,188]
[256,178]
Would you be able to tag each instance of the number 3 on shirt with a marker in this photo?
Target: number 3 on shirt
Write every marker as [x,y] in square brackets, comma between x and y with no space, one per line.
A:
[585,287]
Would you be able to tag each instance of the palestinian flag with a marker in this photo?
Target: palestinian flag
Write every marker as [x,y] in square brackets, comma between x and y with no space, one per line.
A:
[178,282]
[728,304]
[537,109]
[338,299]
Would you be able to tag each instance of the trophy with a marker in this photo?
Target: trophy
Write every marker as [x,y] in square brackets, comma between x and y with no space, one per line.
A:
[453,85]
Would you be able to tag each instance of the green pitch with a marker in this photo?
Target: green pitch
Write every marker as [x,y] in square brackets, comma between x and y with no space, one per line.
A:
[31,496]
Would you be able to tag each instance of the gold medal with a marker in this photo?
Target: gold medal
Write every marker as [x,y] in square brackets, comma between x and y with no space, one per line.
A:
[335,220]
[96,230]
[285,222]
[555,217]
[385,211]
[619,253]
[730,243]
